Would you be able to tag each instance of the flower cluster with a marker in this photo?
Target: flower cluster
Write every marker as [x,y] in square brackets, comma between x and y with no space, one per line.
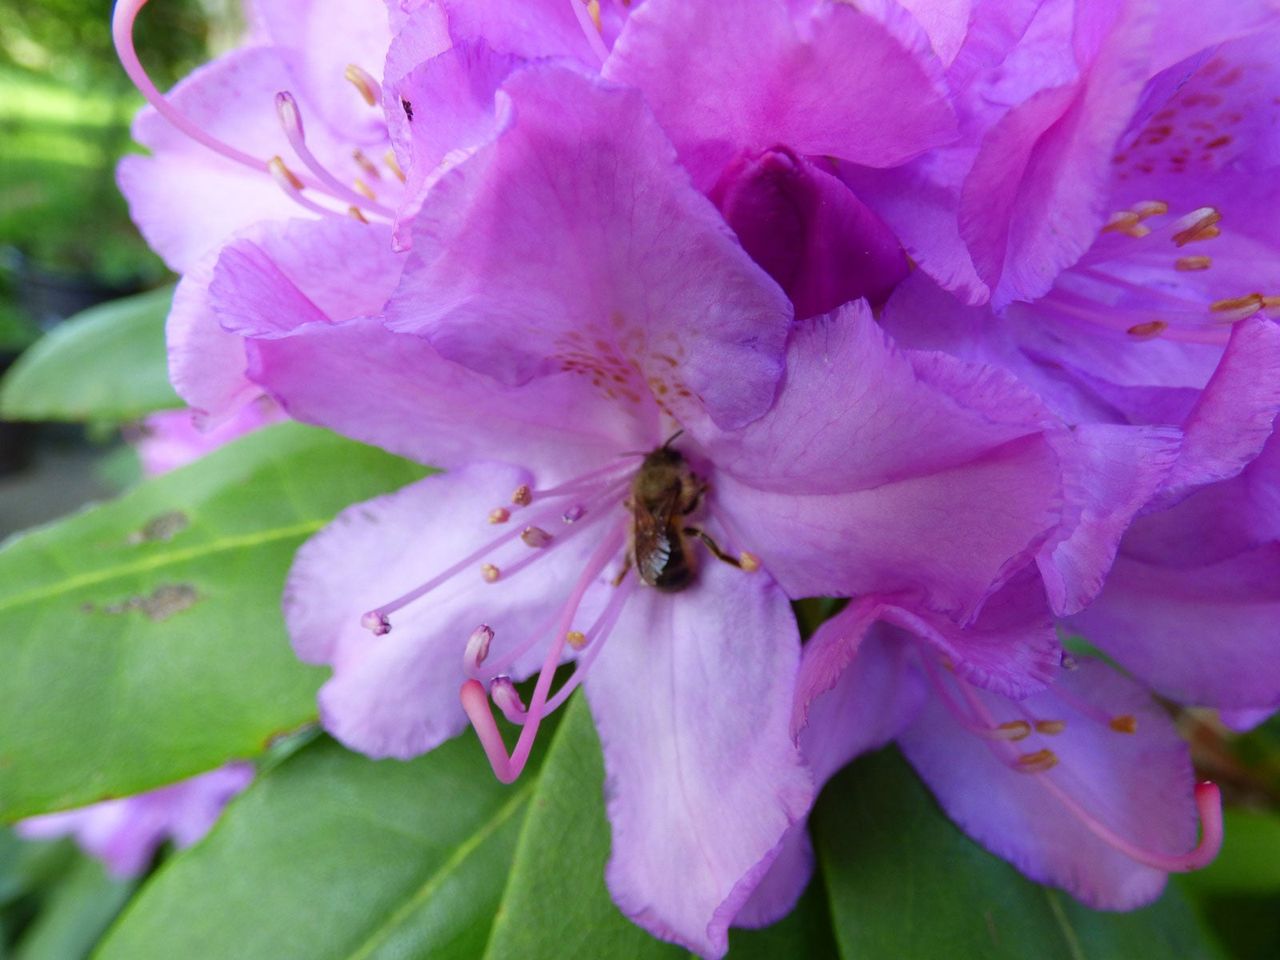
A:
[957,310]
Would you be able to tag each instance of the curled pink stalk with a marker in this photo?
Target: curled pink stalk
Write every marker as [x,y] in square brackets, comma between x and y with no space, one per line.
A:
[122,20]
[475,700]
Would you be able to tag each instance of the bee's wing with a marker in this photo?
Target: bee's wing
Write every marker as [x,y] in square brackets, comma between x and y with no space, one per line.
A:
[652,534]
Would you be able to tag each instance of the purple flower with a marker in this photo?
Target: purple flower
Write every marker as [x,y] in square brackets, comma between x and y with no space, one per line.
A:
[287,124]
[125,833]
[1085,785]
[174,438]
[571,304]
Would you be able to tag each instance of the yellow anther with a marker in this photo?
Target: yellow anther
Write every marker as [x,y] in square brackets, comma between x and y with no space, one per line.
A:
[593,8]
[1201,225]
[389,158]
[368,166]
[1037,762]
[576,639]
[499,515]
[522,496]
[1145,331]
[1051,727]
[283,174]
[1125,723]
[535,537]
[1150,208]
[1252,302]
[748,561]
[1012,730]
[490,573]
[355,214]
[1128,223]
[364,189]
[1188,264]
[362,82]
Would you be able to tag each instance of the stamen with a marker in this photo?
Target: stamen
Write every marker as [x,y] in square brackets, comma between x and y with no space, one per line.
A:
[1125,723]
[287,181]
[375,623]
[535,537]
[1012,730]
[475,701]
[477,648]
[389,158]
[1188,264]
[364,189]
[291,122]
[590,27]
[507,698]
[283,175]
[1038,762]
[522,496]
[499,515]
[364,163]
[748,561]
[1148,330]
[490,573]
[355,214]
[1198,225]
[363,81]
[1051,727]
[576,639]
[1207,796]
[573,514]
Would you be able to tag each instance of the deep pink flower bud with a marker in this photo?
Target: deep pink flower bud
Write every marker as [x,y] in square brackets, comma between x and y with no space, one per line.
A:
[822,244]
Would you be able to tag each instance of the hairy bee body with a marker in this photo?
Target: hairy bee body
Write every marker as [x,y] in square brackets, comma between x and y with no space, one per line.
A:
[664,491]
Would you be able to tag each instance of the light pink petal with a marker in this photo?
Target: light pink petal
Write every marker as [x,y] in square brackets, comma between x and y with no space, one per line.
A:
[836,496]
[397,694]
[1037,193]
[1200,635]
[691,698]
[1235,413]
[173,438]
[644,289]
[872,695]
[1112,471]
[1138,785]
[762,77]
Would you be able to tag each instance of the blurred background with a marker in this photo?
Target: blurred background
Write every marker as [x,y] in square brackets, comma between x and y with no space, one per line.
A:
[66,242]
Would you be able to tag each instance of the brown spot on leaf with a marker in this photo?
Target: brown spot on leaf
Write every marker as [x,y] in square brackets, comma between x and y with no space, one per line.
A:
[165,601]
[162,527]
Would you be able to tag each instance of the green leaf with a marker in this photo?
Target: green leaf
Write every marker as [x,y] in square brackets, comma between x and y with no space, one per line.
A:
[142,640]
[905,883]
[556,903]
[75,914]
[331,855]
[1250,859]
[107,363]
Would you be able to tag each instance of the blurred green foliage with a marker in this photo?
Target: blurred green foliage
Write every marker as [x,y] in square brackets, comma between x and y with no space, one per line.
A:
[65,108]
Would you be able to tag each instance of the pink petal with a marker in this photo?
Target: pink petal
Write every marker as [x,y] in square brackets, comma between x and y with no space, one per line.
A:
[1112,471]
[644,287]
[691,699]
[1202,635]
[762,77]
[1139,785]
[397,695]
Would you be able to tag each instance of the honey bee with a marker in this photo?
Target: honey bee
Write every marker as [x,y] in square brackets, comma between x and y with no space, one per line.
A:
[664,492]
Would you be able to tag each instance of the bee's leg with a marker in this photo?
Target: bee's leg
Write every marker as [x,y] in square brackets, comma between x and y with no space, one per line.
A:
[712,546]
[696,500]
[622,574]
